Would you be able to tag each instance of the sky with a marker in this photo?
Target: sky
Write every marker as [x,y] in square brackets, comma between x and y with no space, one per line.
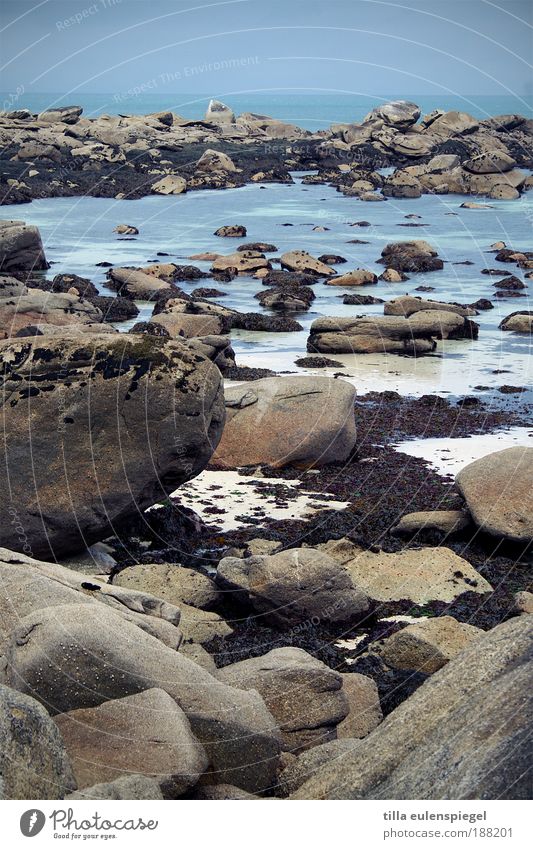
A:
[329,46]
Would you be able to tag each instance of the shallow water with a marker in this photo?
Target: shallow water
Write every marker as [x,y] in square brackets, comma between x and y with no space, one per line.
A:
[449,455]
[77,233]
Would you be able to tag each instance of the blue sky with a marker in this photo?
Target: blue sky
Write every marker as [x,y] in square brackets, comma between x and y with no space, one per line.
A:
[353,46]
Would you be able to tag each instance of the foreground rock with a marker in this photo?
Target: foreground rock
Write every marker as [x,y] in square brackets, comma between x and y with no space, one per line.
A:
[33,759]
[146,733]
[281,421]
[365,710]
[413,336]
[171,582]
[498,493]
[107,658]
[301,692]
[294,586]
[426,646]
[21,248]
[420,575]
[462,735]
[128,787]
[38,309]
[76,453]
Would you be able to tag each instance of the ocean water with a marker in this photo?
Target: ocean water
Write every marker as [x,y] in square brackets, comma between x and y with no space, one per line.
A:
[311,111]
[77,234]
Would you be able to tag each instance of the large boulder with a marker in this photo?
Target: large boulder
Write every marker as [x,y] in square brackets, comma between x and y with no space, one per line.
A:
[21,248]
[33,760]
[294,586]
[302,693]
[79,656]
[498,492]
[462,735]
[386,334]
[281,421]
[146,733]
[243,262]
[420,575]
[40,309]
[75,460]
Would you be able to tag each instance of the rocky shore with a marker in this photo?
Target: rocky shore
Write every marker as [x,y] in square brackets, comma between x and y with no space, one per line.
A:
[61,153]
[223,582]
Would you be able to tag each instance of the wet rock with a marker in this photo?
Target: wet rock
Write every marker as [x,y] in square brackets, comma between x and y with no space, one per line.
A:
[304,262]
[390,275]
[408,305]
[89,469]
[518,322]
[444,741]
[357,277]
[298,432]
[33,760]
[439,523]
[235,728]
[332,259]
[115,309]
[21,248]
[510,282]
[232,231]
[411,256]
[498,493]
[260,322]
[302,693]
[297,299]
[126,230]
[244,262]
[317,362]
[261,247]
